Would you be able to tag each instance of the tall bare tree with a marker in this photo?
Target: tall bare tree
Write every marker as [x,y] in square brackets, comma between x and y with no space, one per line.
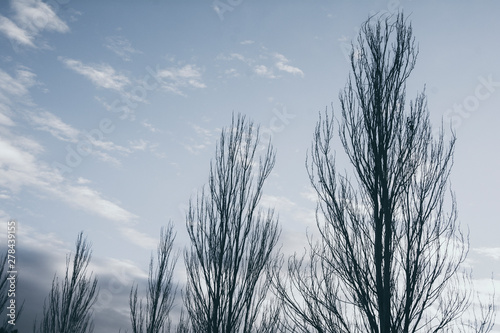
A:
[69,305]
[389,255]
[153,316]
[232,240]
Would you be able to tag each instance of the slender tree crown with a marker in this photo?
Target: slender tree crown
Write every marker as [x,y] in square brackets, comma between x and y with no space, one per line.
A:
[152,314]
[232,240]
[69,305]
[390,253]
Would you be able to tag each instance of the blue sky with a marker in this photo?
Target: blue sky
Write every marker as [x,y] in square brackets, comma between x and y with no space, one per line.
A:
[109,114]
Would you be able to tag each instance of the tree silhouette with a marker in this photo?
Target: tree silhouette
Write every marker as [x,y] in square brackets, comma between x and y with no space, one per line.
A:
[153,316]
[389,255]
[232,241]
[69,304]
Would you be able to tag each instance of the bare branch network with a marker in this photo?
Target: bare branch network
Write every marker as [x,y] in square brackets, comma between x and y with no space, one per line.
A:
[389,254]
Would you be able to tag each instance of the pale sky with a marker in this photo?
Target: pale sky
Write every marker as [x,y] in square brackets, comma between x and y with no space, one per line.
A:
[110,110]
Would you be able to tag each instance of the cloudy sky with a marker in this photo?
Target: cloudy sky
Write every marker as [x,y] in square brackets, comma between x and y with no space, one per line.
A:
[110,110]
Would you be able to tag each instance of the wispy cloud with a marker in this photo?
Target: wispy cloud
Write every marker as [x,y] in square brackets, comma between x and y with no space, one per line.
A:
[121,47]
[175,79]
[149,126]
[18,86]
[14,91]
[49,122]
[30,18]
[15,33]
[92,145]
[282,65]
[235,56]
[264,71]
[88,199]
[102,75]
[20,168]
[140,144]
[203,138]
[137,237]
[231,72]
[492,252]
[264,64]
[36,15]
[247,42]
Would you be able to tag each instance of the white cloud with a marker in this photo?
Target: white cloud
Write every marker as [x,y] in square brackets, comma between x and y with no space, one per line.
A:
[310,194]
[239,57]
[149,126]
[49,122]
[85,198]
[82,180]
[139,238]
[174,79]
[15,87]
[247,42]
[236,56]
[263,64]
[203,139]
[231,72]
[125,271]
[102,75]
[282,65]
[279,203]
[30,19]
[121,47]
[20,168]
[35,16]
[5,113]
[13,32]
[492,252]
[262,70]
[92,144]
[140,144]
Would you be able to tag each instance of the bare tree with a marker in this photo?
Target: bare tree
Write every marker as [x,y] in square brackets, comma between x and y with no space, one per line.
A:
[69,305]
[153,316]
[232,241]
[389,255]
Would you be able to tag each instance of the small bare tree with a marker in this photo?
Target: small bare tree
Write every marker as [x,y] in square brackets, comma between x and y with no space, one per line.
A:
[153,316]
[69,305]
[232,241]
[389,256]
